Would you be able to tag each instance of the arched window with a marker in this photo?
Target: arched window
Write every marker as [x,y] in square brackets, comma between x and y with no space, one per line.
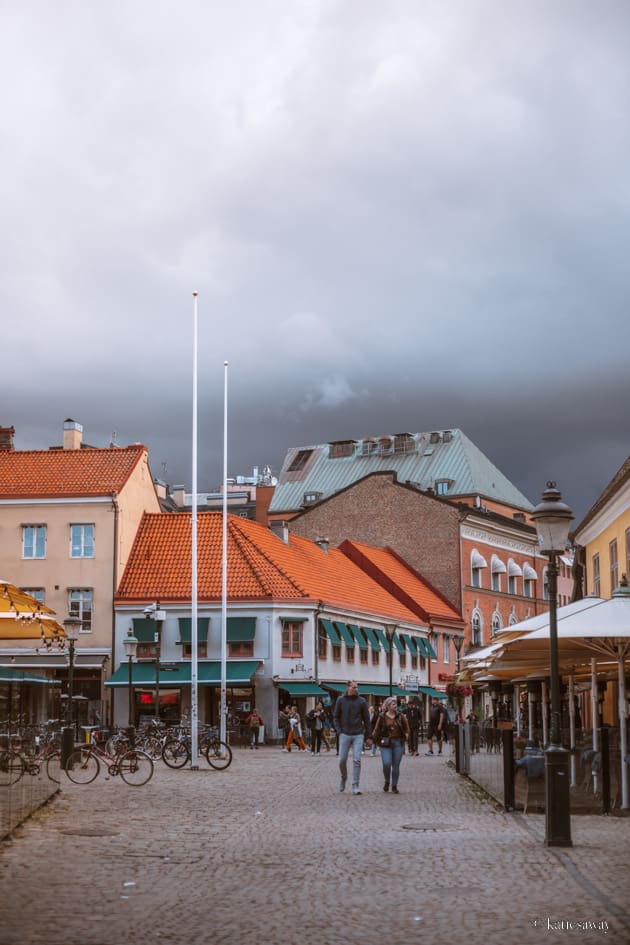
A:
[496,622]
[476,628]
[545,585]
[497,568]
[513,619]
[477,564]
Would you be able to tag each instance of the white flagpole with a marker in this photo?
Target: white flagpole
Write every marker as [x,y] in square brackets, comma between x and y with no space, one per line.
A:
[194,710]
[224,567]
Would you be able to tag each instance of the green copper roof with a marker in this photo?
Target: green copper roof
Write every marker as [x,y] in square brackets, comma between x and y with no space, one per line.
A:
[426,460]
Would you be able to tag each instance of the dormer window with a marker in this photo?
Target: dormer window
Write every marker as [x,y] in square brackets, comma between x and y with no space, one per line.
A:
[443,486]
[300,460]
[310,498]
[341,448]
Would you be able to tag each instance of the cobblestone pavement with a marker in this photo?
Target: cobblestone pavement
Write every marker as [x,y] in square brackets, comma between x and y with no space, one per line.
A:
[270,851]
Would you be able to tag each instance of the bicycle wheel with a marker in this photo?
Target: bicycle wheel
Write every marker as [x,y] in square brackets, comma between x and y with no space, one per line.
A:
[175,753]
[150,744]
[135,767]
[82,766]
[53,767]
[12,767]
[218,755]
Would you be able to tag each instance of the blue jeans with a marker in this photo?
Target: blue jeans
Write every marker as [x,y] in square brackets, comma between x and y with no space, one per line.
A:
[345,743]
[391,758]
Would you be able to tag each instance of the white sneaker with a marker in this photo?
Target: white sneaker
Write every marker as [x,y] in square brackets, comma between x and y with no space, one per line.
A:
[287,750]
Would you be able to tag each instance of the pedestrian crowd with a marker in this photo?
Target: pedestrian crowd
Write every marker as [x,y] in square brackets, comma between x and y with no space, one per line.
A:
[392,728]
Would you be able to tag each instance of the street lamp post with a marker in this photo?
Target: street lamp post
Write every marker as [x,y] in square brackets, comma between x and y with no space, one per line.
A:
[130,643]
[153,612]
[553,518]
[389,632]
[71,626]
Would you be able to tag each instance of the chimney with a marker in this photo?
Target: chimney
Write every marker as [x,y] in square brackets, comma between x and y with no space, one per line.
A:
[323,544]
[72,435]
[280,530]
[178,495]
[6,438]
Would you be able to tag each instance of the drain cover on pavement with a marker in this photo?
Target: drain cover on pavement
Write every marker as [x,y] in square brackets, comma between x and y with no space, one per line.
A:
[90,832]
[430,828]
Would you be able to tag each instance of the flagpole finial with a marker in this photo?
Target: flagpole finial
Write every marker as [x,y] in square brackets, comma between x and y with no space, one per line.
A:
[195,294]
[225,363]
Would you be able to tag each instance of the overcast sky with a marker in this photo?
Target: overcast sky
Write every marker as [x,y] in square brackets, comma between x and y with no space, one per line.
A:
[399,216]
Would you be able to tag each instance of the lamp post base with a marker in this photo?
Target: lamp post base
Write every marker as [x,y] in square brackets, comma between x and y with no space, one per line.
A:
[67,744]
[557,800]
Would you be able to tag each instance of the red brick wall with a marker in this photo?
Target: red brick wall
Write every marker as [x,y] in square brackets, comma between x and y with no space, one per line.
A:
[381,512]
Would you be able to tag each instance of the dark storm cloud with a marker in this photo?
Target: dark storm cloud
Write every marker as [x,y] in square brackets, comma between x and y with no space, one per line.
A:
[398,218]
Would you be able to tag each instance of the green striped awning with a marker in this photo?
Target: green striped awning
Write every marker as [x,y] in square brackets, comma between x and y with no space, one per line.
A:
[178,673]
[11,676]
[240,629]
[425,648]
[408,643]
[372,638]
[330,630]
[144,629]
[345,634]
[296,689]
[358,636]
[383,639]
[185,629]
[434,693]
[400,646]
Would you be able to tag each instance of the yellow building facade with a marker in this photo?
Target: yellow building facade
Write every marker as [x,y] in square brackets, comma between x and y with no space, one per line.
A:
[604,536]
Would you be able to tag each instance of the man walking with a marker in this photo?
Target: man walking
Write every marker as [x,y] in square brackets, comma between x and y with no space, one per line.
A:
[437,725]
[352,722]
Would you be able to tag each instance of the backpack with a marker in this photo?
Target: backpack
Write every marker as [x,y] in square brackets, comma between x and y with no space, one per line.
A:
[254,722]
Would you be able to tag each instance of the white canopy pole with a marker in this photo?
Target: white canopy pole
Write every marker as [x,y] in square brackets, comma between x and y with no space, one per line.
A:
[194,710]
[224,566]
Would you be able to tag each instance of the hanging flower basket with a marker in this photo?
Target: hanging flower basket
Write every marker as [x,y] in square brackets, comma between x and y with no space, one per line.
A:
[459,691]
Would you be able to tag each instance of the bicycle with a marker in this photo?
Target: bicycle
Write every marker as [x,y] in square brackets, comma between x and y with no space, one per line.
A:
[176,751]
[135,767]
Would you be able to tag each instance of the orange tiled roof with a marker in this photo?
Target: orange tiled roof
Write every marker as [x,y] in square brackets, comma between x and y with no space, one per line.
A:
[384,564]
[260,567]
[46,474]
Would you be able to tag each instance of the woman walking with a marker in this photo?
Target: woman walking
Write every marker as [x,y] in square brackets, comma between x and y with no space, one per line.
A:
[390,732]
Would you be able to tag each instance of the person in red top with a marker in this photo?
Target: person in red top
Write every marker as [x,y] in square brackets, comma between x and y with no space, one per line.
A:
[254,720]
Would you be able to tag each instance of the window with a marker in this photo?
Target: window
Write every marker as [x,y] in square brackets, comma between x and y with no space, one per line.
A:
[363,656]
[33,541]
[512,585]
[350,654]
[241,649]
[446,649]
[146,651]
[477,564]
[545,585]
[528,585]
[402,660]
[310,498]
[614,565]
[39,593]
[81,541]
[202,649]
[376,657]
[442,486]
[80,605]
[476,630]
[291,639]
[434,643]
[496,623]
[336,653]
[322,643]
[300,460]
[596,576]
[497,568]
[341,448]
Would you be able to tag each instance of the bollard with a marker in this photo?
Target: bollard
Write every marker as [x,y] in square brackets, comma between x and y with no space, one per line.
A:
[67,744]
